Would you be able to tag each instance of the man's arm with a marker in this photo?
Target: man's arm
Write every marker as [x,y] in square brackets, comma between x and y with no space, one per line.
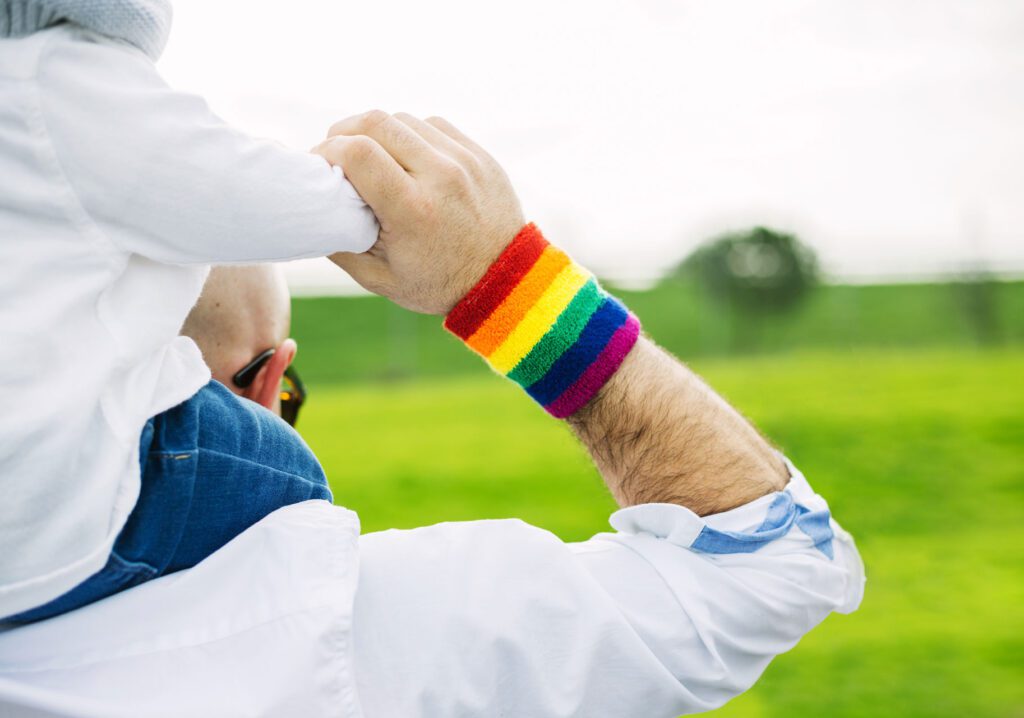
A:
[673,612]
[656,431]
[659,434]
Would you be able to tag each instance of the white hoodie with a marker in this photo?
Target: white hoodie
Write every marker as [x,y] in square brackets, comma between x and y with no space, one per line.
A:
[116,192]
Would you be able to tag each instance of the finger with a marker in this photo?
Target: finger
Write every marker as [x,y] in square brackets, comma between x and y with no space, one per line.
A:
[407,147]
[437,139]
[369,270]
[456,134]
[375,174]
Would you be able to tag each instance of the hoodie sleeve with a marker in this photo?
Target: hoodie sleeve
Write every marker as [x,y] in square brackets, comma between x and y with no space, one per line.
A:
[162,176]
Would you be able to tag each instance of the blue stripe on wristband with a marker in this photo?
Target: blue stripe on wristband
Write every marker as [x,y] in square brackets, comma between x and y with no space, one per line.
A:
[567,369]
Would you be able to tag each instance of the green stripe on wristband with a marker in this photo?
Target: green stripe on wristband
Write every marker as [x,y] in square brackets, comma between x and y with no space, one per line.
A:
[562,335]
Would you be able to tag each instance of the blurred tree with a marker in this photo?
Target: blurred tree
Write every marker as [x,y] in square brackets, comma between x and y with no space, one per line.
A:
[977,287]
[753,274]
[977,296]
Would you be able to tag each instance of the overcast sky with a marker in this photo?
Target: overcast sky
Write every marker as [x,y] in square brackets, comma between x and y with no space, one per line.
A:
[888,133]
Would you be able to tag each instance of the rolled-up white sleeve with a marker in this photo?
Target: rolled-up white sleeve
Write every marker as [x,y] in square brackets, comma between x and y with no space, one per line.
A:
[671,614]
[160,175]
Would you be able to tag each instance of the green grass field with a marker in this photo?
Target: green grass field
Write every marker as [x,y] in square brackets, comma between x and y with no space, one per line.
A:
[916,439]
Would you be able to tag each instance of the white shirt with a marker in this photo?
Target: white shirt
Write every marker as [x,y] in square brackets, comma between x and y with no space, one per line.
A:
[115,193]
[299,616]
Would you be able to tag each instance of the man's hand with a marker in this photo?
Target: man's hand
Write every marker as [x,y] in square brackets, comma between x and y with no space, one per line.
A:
[446,208]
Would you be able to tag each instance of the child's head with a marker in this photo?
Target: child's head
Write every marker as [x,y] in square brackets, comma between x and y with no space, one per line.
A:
[242,313]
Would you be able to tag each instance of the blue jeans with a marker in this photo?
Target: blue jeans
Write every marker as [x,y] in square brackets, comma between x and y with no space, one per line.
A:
[211,467]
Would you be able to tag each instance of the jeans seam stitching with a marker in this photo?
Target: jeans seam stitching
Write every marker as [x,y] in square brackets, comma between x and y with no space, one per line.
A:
[264,466]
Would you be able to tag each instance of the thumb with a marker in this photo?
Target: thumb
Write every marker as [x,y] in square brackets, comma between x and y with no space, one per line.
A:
[371,271]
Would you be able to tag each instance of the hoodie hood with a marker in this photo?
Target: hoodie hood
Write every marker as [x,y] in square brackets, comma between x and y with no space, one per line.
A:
[142,23]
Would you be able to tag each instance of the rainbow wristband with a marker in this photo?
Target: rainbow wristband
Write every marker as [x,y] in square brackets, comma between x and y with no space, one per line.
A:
[545,323]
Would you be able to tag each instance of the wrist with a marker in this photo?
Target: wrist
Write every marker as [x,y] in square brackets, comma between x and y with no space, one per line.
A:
[544,321]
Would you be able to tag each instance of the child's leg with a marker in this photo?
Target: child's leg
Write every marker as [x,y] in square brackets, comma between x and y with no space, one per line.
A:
[211,467]
[224,463]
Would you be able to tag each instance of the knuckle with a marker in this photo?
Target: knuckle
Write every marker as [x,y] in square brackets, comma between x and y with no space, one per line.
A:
[359,148]
[373,118]
[338,128]
[476,169]
[344,126]
[331,150]
[452,176]
[490,169]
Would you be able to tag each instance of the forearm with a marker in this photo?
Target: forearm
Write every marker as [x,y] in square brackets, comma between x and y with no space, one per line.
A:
[658,433]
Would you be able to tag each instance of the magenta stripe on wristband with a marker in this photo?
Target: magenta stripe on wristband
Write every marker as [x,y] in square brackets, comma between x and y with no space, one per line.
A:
[597,374]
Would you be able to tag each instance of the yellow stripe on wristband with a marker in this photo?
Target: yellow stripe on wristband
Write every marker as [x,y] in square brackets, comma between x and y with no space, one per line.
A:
[497,328]
[538,320]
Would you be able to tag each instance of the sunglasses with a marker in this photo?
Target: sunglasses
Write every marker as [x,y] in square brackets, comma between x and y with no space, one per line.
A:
[293,391]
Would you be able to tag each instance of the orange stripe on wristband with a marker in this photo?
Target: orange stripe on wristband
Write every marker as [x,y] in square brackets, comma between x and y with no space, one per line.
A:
[507,316]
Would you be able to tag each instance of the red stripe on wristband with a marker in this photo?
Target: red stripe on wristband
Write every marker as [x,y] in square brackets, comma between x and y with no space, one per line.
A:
[497,283]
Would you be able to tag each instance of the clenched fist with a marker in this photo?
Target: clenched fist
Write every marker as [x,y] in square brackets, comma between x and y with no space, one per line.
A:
[446,208]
